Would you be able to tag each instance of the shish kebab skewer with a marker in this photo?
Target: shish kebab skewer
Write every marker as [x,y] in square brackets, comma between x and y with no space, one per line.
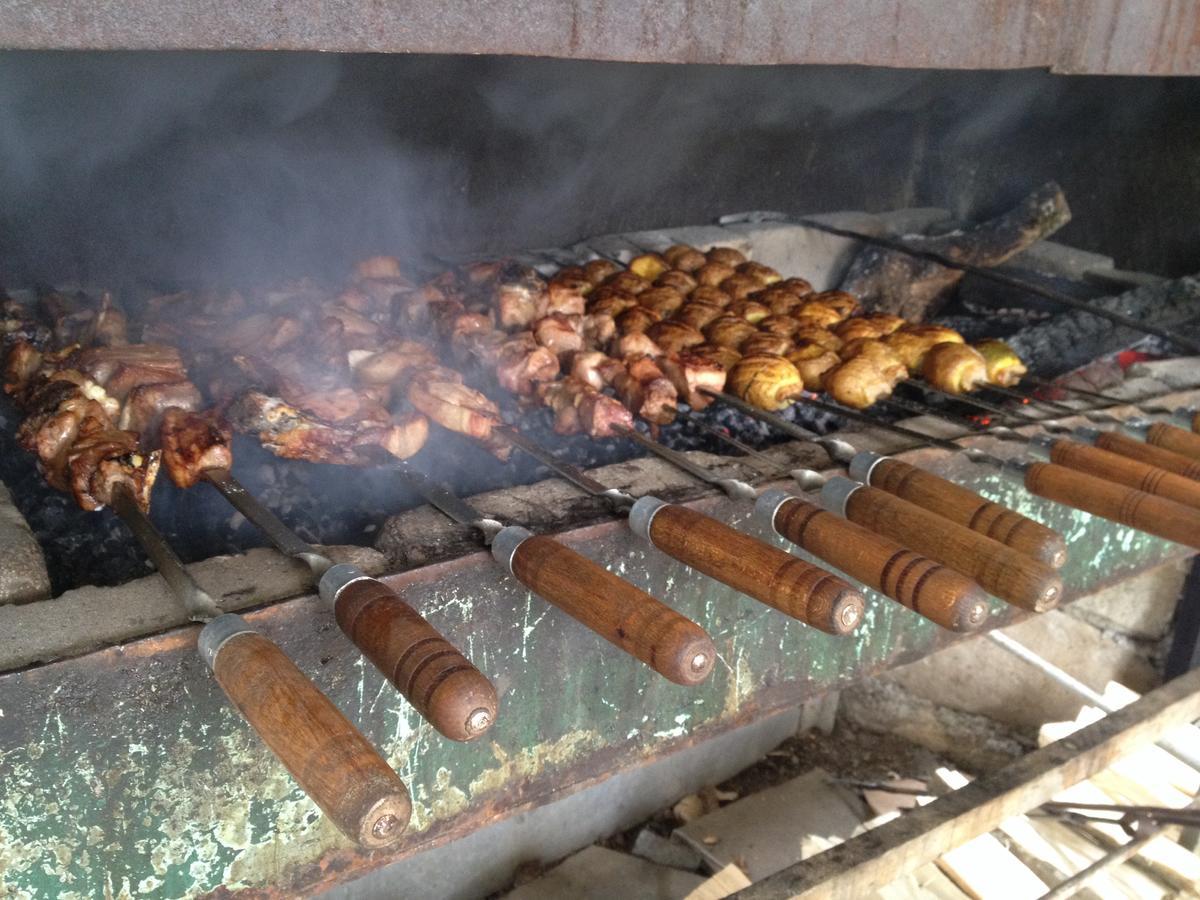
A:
[329,758]
[628,617]
[1001,570]
[1118,503]
[979,271]
[768,574]
[440,683]
[1179,435]
[1130,462]
[940,594]
[917,486]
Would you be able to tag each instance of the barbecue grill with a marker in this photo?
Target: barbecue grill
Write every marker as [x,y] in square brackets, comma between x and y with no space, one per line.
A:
[127,763]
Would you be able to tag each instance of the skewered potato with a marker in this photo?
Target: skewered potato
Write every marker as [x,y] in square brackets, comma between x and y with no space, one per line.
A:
[801,287]
[826,315]
[813,361]
[684,258]
[750,310]
[725,357]
[663,300]
[785,325]
[764,342]
[881,354]
[597,270]
[710,294]
[729,331]
[637,319]
[912,342]
[857,383]
[698,314]
[1004,366]
[726,255]
[768,382]
[648,266]
[674,336]
[713,273]
[954,368]
[628,281]
[740,286]
[763,273]
[844,302]
[674,278]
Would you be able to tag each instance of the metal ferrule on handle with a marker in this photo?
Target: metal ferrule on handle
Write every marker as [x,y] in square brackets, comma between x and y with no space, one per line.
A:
[961,505]
[766,573]
[334,764]
[936,592]
[441,684]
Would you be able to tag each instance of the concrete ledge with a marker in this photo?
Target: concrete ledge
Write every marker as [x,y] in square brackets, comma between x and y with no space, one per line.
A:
[23,576]
[91,617]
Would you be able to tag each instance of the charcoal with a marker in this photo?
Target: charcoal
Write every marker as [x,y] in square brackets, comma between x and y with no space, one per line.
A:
[1073,339]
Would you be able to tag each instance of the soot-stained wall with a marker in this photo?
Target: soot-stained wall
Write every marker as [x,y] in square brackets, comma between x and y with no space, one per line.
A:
[163,168]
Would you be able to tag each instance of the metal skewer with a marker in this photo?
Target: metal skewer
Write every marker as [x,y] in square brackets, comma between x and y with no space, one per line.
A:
[941,594]
[641,625]
[353,786]
[745,564]
[981,272]
[440,683]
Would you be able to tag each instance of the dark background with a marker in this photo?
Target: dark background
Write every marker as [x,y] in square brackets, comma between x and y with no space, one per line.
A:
[175,167]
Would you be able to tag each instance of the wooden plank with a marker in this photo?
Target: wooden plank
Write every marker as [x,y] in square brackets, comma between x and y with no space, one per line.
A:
[987,871]
[877,857]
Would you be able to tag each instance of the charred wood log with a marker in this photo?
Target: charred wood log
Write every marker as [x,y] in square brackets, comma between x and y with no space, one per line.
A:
[894,282]
[1075,339]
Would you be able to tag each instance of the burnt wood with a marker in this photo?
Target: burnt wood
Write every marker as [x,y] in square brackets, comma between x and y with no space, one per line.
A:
[626,616]
[934,591]
[1169,437]
[440,683]
[1150,453]
[1154,515]
[768,574]
[1000,570]
[328,757]
[1123,470]
[905,285]
[966,508]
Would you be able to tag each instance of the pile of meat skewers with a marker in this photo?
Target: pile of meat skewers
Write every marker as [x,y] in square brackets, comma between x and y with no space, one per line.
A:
[600,344]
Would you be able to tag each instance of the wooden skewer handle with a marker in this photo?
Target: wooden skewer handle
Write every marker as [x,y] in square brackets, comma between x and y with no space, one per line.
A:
[1119,469]
[1150,453]
[1177,440]
[441,684]
[768,574]
[961,506]
[936,592]
[335,765]
[1000,570]
[1137,509]
[669,643]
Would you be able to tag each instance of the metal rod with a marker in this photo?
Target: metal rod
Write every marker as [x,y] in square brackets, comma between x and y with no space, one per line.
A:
[448,503]
[838,450]
[1071,886]
[283,538]
[1075,686]
[722,435]
[1007,280]
[1103,398]
[973,400]
[1002,432]
[620,500]
[199,603]
[1028,398]
[735,489]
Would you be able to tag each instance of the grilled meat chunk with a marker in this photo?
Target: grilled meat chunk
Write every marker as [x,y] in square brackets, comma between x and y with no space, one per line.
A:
[193,442]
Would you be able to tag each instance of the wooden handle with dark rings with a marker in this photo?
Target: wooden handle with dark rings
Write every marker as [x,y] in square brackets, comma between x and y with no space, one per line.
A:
[440,683]
[1150,453]
[938,593]
[961,506]
[1177,440]
[999,569]
[1123,470]
[329,758]
[626,616]
[777,578]
[1154,515]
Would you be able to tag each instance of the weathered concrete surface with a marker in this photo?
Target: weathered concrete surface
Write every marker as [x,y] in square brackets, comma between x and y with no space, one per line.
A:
[1142,609]
[23,576]
[91,617]
[980,677]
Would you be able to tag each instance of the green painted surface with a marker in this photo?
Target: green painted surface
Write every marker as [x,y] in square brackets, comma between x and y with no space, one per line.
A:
[125,773]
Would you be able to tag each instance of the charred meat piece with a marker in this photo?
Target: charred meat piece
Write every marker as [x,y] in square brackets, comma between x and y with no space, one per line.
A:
[578,407]
[146,404]
[292,434]
[193,442]
[522,365]
[558,333]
